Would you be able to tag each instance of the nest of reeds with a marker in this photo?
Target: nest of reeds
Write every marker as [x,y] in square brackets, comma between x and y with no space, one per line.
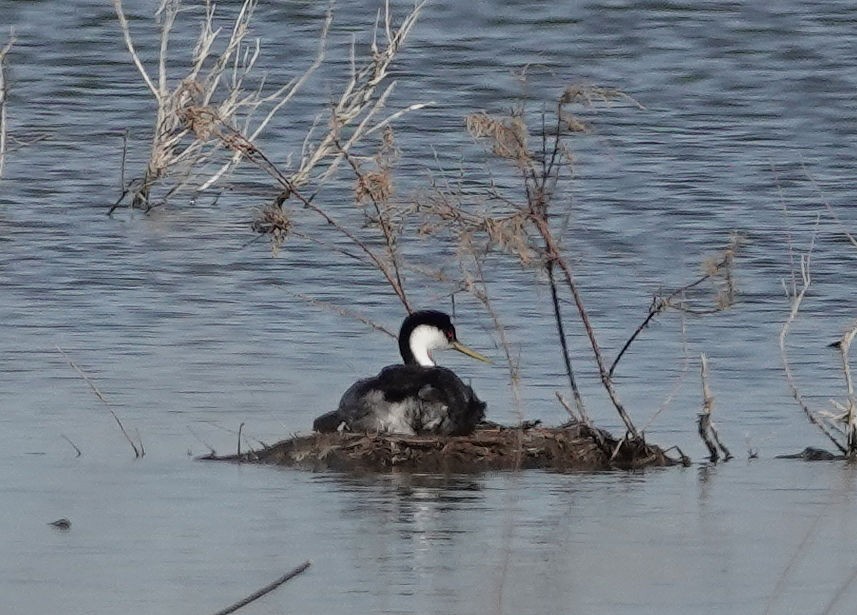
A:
[491,447]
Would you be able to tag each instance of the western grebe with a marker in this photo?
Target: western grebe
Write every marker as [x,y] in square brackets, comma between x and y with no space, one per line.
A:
[415,398]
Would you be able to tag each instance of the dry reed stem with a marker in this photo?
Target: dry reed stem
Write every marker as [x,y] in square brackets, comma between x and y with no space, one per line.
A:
[4,94]
[138,452]
[392,268]
[796,295]
[209,95]
[679,380]
[707,430]
[540,170]
[360,101]
[478,288]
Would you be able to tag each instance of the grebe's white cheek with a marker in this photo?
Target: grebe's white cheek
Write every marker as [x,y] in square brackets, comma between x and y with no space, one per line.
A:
[423,340]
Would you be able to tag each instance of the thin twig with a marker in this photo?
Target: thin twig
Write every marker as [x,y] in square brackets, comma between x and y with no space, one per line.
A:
[265,590]
[796,296]
[100,396]
[4,89]
[661,303]
[73,445]
[386,231]
[342,311]
[563,342]
[201,441]
[567,407]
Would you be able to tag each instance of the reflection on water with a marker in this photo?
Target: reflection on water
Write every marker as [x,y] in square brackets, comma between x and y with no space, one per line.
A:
[190,330]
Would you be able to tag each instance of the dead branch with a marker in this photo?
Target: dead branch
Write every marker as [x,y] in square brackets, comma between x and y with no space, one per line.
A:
[533,238]
[706,428]
[392,261]
[265,590]
[796,294]
[560,331]
[717,269]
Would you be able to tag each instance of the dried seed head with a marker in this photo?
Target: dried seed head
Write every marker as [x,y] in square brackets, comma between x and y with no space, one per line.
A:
[374,186]
[273,221]
[203,122]
[508,135]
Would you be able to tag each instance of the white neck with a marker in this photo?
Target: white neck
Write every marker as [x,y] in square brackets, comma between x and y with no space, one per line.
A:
[423,339]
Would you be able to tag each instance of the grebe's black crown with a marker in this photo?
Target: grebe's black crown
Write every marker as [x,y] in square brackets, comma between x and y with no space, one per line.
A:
[432,318]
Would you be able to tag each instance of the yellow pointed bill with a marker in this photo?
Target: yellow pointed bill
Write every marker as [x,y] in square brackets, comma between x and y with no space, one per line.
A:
[470,353]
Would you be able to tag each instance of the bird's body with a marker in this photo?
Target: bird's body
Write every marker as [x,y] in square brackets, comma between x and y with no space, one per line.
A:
[415,398]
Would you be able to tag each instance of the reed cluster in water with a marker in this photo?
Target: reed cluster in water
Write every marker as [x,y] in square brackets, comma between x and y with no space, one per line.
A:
[210,114]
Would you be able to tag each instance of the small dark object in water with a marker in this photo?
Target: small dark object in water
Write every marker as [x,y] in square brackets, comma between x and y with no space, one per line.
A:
[810,453]
[61,524]
[417,398]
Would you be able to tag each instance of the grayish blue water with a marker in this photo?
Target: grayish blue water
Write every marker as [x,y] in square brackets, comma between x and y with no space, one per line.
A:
[747,125]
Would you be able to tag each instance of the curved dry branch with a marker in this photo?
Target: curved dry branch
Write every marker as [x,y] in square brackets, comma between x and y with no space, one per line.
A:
[797,293]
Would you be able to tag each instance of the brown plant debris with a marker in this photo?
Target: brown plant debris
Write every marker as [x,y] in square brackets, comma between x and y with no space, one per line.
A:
[508,134]
[573,446]
[274,221]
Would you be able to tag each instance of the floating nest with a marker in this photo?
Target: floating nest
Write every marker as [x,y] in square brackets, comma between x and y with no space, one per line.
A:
[491,447]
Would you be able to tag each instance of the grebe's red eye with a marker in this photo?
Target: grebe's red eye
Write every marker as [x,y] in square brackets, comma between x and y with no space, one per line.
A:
[450,334]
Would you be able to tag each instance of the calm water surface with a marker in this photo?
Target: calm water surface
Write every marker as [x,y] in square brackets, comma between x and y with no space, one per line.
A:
[189,329]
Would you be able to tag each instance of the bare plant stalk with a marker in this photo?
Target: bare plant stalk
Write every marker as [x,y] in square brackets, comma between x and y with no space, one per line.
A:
[210,93]
[560,330]
[138,452]
[360,101]
[720,268]
[553,255]
[677,384]
[850,411]
[796,294]
[342,311]
[479,289]
[370,256]
[706,428]
[4,93]
[526,231]
[392,265]
[264,590]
